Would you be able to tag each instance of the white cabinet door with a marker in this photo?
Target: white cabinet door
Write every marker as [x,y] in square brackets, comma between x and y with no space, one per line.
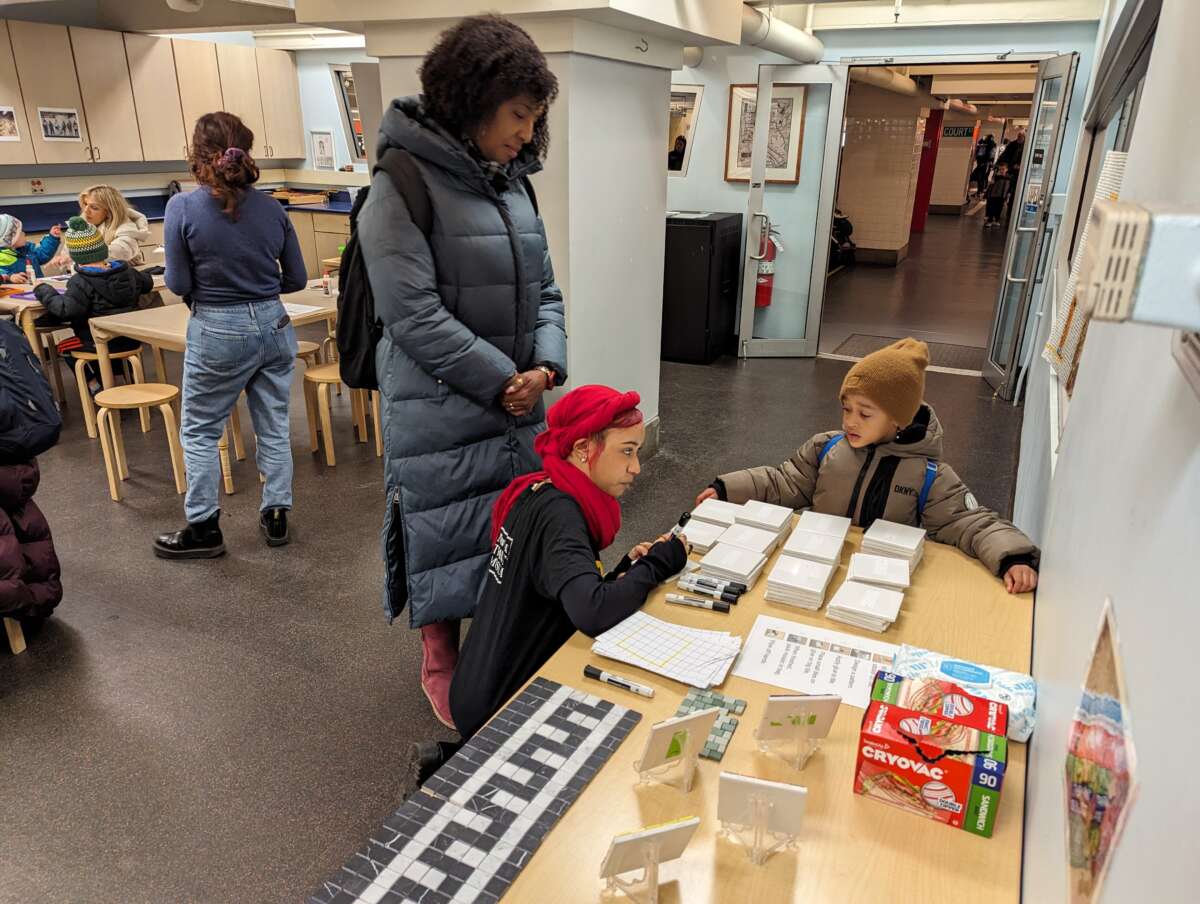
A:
[199,81]
[16,145]
[240,88]
[156,97]
[50,90]
[281,103]
[107,94]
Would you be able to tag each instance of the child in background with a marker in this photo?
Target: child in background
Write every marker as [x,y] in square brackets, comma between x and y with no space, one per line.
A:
[996,193]
[16,253]
[99,287]
[884,463]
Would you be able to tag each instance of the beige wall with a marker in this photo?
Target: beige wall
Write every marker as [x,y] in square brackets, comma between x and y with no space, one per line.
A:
[880,159]
[953,168]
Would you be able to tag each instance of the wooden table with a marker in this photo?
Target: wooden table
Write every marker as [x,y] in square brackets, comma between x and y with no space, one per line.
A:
[852,848]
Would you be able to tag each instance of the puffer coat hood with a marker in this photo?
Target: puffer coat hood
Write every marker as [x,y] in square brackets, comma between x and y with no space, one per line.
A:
[463,310]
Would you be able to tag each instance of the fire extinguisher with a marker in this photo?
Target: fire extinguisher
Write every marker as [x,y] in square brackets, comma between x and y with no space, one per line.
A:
[765,283]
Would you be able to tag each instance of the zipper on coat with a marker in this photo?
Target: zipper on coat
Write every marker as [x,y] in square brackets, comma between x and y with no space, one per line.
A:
[514,244]
[862,473]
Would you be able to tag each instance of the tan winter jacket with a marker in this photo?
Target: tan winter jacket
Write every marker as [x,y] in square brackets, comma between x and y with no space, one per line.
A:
[885,481]
[125,244]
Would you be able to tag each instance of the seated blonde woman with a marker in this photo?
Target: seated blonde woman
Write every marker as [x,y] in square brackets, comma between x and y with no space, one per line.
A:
[123,228]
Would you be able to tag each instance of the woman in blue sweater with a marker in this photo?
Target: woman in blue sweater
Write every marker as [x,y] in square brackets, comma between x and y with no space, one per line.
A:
[226,245]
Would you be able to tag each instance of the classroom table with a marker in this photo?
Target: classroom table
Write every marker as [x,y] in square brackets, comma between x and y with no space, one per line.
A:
[165,328]
[852,848]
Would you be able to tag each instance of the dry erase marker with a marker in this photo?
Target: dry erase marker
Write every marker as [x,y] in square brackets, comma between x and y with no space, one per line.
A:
[678,528]
[714,605]
[590,671]
[716,584]
[691,586]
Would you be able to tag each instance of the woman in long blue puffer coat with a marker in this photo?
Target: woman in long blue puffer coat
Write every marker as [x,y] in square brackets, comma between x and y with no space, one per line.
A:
[473,320]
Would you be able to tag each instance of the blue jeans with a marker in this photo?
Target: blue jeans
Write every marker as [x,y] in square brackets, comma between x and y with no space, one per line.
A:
[230,348]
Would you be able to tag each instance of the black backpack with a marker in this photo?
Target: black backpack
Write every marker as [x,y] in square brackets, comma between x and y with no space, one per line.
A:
[29,420]
[358,329]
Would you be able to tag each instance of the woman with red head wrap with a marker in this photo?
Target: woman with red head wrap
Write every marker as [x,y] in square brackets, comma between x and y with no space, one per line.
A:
[544,580]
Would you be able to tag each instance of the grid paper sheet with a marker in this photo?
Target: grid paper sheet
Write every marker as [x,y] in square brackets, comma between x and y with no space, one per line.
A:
[465,836]
[691,655]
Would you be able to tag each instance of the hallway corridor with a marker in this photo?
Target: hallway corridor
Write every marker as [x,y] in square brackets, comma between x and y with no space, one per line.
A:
[944,291]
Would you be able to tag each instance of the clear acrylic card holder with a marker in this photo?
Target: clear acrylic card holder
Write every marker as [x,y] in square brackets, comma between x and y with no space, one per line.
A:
[643,890]
[758,840]
[679,772]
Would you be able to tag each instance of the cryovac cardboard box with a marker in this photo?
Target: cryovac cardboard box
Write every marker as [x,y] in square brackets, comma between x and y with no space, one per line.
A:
[929,747]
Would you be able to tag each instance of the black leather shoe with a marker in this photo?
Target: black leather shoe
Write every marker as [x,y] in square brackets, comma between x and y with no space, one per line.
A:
[201,540]
[274,526]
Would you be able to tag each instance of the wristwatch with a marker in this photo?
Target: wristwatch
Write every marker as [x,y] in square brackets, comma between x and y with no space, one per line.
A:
[551,376]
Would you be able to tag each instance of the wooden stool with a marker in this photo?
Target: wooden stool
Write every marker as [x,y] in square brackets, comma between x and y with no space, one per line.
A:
[108,422]
[16,637]
[134,374]
[317,384]
[52,372]
[310,353]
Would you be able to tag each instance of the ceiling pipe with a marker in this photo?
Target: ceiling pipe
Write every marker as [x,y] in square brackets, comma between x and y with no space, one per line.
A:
[768,33]
[885,78]
[961,106]
[186,6]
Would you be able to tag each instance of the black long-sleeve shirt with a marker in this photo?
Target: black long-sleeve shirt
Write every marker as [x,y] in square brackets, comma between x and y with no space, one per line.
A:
[544,583]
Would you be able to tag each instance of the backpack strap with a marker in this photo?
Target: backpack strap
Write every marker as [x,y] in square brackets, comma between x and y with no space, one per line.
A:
[829,444]
[930,475]
[532,195]
[409,183]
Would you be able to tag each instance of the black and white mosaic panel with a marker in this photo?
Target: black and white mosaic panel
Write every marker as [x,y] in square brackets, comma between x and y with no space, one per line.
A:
[466,835]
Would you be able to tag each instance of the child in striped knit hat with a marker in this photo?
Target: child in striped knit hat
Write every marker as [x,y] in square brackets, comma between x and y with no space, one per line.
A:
[99,287]
[16,253]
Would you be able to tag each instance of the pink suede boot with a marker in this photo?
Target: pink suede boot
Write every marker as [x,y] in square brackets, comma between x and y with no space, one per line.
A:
[439,655]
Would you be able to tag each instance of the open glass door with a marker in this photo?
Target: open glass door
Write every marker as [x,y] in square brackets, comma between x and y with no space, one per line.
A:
[1029,241]
[791,164]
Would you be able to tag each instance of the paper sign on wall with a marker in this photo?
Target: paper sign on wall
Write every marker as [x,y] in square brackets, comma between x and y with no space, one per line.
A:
[1101,768]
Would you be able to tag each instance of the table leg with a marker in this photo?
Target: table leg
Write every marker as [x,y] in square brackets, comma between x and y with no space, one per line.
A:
[16,637]
[106,371]
[226,464]
[160,365]
[31,334]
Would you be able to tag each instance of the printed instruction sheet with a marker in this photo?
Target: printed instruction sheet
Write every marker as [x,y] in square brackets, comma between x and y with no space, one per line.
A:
[808,660]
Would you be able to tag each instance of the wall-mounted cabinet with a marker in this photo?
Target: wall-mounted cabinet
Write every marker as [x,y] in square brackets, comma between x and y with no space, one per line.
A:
[15,143]
[107,94]
[199,82]
[239,86]
[279,85]
[156,96]
[50,89]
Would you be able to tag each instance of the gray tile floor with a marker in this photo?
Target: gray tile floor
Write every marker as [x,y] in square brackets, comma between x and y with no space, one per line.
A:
[944,291]
[233,730]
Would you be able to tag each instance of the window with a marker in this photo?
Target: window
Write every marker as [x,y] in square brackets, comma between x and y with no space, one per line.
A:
[343,82]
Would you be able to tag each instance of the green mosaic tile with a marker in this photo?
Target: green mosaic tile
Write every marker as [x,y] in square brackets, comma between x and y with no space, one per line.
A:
[727,722]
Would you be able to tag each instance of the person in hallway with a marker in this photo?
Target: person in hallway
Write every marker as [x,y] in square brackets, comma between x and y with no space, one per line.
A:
[1011,157]
[543,582]
[100,286]
[123,228]
[985,150]
[997,194]
[473,327]
[16,254]
[231,252]
[676,155]
[884,462]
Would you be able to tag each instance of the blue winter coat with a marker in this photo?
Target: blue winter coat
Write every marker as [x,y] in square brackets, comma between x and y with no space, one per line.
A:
[461,313]
[41,253]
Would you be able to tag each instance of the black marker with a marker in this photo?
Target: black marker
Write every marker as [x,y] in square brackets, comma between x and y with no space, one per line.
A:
[714,605]
[678,528]
[691,585]
[722,586]
[590,671]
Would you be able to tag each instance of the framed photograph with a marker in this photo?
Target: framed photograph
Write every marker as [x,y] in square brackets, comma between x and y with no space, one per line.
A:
[786,132]
[684,111]
[8,125]
[60,124]
[322,150]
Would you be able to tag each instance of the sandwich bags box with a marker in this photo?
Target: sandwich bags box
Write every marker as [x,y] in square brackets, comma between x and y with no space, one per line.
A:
[932,748]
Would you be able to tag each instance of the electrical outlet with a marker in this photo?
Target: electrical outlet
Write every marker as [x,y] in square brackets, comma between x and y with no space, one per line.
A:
[37,186]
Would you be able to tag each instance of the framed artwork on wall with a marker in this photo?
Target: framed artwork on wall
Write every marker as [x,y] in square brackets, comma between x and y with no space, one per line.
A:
[784,140]
[322,149]
[60,124]
[8,125]
[681,130]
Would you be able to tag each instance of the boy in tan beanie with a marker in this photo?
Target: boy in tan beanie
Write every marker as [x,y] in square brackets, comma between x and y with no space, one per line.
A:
[886,463]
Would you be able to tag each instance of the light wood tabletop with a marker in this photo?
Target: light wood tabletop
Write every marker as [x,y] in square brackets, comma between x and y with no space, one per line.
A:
[852,849]
[165,328]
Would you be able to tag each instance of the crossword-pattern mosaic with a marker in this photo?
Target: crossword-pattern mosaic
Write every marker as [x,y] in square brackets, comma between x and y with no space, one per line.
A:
[718,739]
[466,835]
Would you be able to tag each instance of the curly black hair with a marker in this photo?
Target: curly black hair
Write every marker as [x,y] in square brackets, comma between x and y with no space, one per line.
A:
[479,64]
